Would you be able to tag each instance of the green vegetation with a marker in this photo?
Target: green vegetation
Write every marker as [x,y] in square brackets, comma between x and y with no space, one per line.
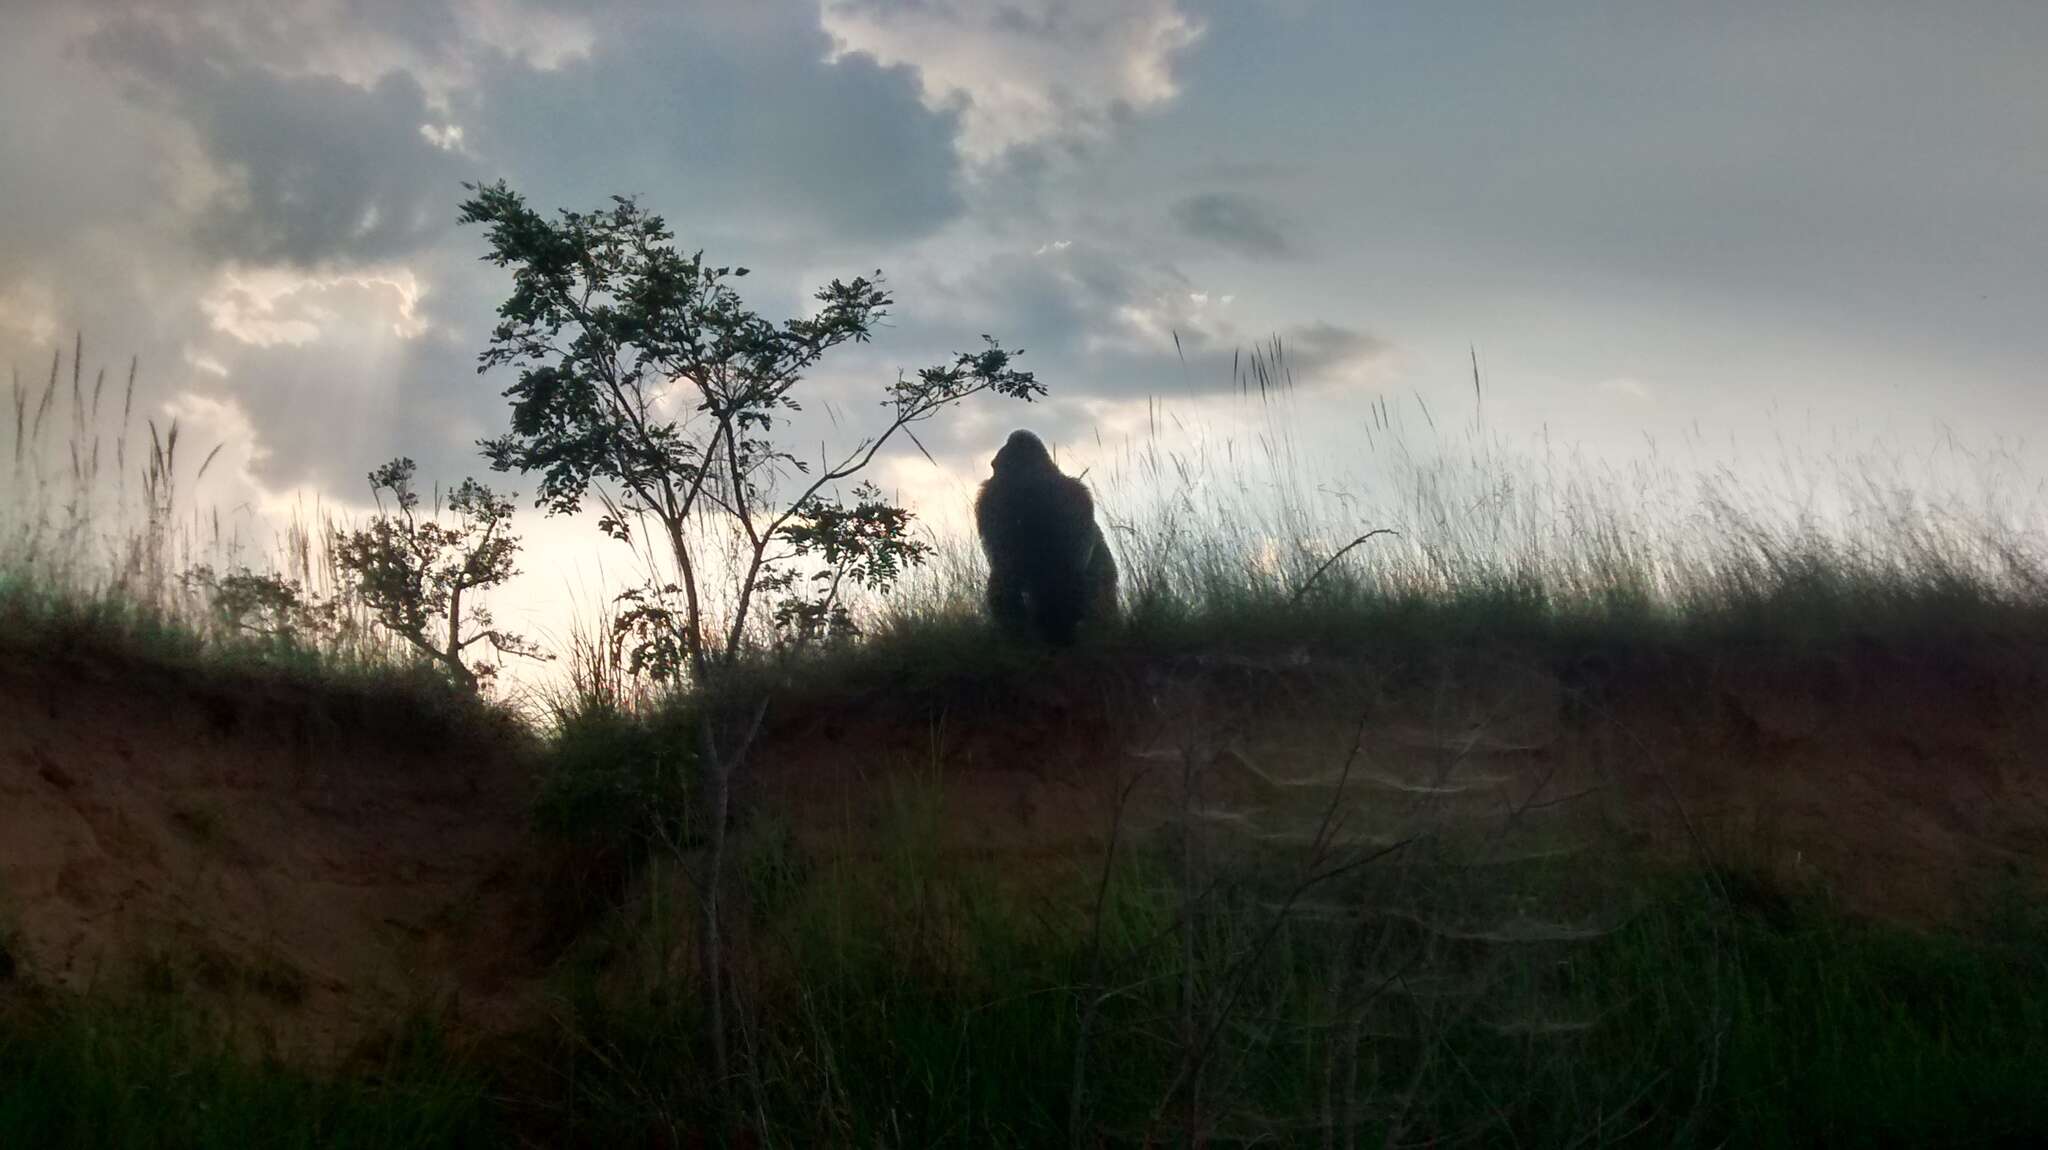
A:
[101,571]
[1689,1025]
[149,1072]
[1702,1019]
[1592,999]
[412,573]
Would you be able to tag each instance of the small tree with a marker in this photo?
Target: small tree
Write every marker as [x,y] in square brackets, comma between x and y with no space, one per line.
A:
[418,577]
[647,384]
[262,605]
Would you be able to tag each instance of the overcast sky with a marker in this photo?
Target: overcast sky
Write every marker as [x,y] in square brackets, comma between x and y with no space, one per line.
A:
[1756,219]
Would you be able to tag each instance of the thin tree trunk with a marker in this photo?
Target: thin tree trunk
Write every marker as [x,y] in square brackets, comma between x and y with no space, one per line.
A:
[719,769]
[455,638]
[717,789]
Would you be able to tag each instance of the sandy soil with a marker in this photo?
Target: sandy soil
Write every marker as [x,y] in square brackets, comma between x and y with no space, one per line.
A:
[298,862]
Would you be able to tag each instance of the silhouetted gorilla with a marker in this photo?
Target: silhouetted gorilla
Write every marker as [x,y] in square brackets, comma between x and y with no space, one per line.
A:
[1049,567]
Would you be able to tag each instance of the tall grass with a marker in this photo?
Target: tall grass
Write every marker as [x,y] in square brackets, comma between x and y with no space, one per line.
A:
[59,501]
[1228,530]
[98,549]
[1215,523]
[1437,531]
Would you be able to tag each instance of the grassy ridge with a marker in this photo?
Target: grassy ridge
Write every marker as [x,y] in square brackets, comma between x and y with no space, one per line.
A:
[148,1072]
[1226,537]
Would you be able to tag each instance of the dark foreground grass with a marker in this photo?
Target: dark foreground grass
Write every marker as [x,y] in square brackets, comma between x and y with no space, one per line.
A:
[149,1072]
[1716,1014]
[1694,1023]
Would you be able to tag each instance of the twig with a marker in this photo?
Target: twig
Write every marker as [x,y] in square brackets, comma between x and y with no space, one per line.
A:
[1327,563]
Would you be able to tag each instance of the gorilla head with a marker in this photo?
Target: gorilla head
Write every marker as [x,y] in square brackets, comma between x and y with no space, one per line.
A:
[1049,568]
[1022,454]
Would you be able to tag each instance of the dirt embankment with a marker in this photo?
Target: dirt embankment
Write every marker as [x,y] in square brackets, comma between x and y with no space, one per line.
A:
[1906,783]
[313,861]
[322,865]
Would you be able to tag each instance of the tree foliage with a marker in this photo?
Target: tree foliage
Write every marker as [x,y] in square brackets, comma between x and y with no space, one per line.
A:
[421,578]
[647,384]
[264,606]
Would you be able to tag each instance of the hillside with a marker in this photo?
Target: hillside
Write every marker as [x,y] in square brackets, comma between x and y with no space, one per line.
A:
[343,861]
[1902,780]
[313,860]
[319,866]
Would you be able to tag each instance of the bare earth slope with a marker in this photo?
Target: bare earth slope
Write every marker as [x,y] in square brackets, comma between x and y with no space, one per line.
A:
[308,859]
[1908,784]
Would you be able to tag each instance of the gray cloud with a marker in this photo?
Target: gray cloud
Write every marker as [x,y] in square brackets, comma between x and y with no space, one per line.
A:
[1096,323]
[262,219]
[1314,351]
[1082,311]
[311,168]
[731,115]
[1025,71]
[1233,220]
[1840,203]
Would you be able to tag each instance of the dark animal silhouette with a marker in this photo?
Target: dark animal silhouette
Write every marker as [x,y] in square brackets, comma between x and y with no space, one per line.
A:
[1049,568]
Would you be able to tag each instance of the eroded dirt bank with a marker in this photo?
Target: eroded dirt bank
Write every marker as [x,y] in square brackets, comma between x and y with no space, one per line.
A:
[322,864]
[314,862]
[1908,784]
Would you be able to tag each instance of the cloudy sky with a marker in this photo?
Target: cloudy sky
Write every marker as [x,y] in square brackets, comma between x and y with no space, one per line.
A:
[1731,219]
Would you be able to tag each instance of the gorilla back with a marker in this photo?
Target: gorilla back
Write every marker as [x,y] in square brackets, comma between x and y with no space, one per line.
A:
[1049,567]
